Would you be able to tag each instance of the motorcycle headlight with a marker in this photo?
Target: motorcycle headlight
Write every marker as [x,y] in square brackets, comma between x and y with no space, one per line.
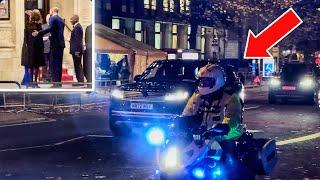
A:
[275,82]
[117,94]
[171,160]
[155,136]
[177,96]
[307,83]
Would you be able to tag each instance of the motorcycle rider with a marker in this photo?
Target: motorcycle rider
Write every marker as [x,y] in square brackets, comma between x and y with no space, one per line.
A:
[216,101]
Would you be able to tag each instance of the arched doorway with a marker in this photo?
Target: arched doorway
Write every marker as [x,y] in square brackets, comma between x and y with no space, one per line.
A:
[42,5]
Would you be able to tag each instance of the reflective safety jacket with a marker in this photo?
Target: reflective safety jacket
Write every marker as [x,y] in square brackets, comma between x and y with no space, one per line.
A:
[220,107]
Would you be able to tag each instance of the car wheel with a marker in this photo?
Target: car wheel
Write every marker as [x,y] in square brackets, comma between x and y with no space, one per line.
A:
[271,99]
[119,131]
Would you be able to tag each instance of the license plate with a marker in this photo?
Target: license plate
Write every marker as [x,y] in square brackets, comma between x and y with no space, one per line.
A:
[289,88]
[141,106]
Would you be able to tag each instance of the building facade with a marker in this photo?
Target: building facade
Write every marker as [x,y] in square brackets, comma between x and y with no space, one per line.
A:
[12,31]
[163,24]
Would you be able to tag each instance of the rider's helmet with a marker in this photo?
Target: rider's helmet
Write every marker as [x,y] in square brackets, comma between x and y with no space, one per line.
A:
[211,79]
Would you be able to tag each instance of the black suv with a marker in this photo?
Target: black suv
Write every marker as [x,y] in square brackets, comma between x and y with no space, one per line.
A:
[159,94]
[296,81]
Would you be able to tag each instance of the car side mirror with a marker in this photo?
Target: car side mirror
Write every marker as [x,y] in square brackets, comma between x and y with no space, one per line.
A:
[137,77]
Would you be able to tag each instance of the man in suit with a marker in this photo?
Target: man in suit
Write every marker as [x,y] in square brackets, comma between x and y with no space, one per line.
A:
[76,47]
[57,44]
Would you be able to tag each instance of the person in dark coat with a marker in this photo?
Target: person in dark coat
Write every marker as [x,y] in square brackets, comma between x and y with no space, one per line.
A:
[124,72]
[87,59]
[34,47]
[57,44]
[76,47]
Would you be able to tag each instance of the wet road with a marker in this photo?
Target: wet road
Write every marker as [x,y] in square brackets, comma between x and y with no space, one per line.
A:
[100,156]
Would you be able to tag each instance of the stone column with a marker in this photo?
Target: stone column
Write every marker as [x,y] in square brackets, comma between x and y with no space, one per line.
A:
[11,40]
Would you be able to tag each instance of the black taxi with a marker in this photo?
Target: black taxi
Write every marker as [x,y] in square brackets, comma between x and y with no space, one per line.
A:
[158,95]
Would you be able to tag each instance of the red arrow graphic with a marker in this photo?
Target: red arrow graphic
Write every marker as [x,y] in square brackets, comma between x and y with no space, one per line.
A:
[258,47]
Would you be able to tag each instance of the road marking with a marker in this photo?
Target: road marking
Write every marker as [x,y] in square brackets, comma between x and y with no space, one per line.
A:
[37,121]
[255,131]
[100,136]
[299,139]
[70,140]
[54,144]
[251,108]
[26,148]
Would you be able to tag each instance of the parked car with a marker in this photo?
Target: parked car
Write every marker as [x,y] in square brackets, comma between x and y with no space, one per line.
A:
[296,81]
[158,95]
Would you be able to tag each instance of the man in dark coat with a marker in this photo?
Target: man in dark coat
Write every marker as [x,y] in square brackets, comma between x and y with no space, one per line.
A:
[76,47]
[57,44]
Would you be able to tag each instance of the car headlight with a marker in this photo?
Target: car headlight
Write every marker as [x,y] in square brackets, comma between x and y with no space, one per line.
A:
[307,83]
[275,82]
[117,94]
[171,160]
[177,96]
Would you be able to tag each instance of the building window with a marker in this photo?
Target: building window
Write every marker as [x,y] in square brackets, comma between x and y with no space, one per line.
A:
[116,24]
[108,5]
[168,5]
[203,40]
[174,36]
[157,36]
[189,33]
[138,30]
[132,7]
[184,6]
[123,6]
[150,4]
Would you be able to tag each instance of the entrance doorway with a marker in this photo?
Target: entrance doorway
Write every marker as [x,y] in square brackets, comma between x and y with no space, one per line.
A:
[42,5]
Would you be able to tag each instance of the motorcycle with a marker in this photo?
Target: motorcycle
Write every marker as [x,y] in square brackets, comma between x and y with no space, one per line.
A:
[196,153]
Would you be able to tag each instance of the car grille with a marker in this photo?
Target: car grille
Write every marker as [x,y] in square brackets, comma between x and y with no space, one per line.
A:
[142,95]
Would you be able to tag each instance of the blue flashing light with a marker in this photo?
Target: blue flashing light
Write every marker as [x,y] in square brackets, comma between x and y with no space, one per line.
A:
[198,173]
[155,136]
[216,173]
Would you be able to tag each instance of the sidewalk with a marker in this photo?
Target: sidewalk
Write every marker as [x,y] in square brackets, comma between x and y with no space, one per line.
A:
[42,110]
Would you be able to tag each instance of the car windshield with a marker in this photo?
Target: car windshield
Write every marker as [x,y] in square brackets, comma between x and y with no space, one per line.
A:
[172,70]
[294,71]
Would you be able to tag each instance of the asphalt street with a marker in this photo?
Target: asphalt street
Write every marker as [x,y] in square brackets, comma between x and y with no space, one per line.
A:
[81,146]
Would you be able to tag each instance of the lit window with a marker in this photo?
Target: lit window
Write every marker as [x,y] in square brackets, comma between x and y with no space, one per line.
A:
[184,6]
[166,5]
[189,33]
[157,27]
[138,26]
[171,5]
[147,4]
[138,36]
[157,36]
[203,42]
[174,36]
[138,30]
[154,4]
[150,4]
[174,41]
[116,24]
[157,43]
[174,29]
